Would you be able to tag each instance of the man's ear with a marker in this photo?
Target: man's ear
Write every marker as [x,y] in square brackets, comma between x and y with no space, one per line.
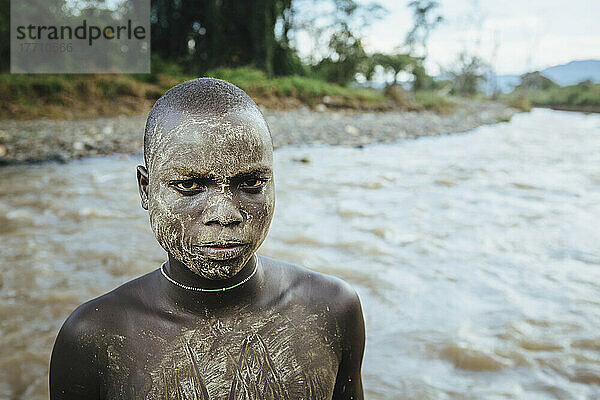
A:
[142,179]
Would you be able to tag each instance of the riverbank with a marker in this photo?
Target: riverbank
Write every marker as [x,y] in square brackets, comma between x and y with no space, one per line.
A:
[582,97]
[83,96]
[62,140]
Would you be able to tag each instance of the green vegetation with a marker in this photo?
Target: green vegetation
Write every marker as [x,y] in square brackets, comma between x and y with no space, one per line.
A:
[437,101]
[71,96]
[423,23]
[251,44]
[535,90]
[254,49]
[584,96]
[468,72]
[518,101]
[87,96]
[304,90]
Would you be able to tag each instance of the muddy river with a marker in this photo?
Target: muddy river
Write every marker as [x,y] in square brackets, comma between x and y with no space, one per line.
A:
[476,255]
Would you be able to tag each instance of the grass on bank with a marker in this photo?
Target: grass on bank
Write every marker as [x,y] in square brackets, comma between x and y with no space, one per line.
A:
[437,101]
[73,96]
[299,90]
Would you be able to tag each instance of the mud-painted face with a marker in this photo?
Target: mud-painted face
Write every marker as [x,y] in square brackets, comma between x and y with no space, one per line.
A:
[211,193]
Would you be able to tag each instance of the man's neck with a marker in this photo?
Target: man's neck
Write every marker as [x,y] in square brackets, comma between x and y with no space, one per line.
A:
[195,293]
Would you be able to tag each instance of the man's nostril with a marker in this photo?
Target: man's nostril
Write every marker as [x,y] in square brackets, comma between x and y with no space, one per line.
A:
[223,212]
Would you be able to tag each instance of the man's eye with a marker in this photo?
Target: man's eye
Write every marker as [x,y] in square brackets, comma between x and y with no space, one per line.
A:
[252,183]
[187,186]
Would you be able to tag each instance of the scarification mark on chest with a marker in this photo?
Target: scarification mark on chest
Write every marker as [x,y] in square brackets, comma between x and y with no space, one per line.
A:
[250,358]
[255,375]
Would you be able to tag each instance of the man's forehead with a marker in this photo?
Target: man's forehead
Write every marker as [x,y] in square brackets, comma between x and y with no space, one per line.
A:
[213,146]
[185,122]
[235,129]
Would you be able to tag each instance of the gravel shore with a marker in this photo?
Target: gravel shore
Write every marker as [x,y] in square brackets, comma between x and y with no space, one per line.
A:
[42,140]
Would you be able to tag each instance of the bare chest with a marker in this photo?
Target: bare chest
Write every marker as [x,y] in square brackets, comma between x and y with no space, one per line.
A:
[251,356]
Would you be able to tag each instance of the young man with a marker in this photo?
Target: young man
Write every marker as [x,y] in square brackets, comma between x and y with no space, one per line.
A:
[215,321]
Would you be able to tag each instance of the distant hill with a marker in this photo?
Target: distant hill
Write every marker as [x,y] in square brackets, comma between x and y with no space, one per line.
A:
[564,74]
[574,72]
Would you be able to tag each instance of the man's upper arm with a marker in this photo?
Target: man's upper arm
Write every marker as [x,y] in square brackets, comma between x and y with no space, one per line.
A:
[348,381]
[74,372]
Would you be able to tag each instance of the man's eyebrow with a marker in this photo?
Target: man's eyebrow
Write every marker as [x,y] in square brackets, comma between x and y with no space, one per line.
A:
[206,174]
[192,172]
[253,171]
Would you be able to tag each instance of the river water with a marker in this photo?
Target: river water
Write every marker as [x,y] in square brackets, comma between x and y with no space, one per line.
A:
[476,255]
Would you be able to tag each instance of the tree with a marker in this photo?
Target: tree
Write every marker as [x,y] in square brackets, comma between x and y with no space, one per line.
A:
[207,33]
[5,36]
[315,21]
[348,55]
[394,63]
[535,80]
[345,55]
[468,73]
[423,23]
[421,80]
[399,62]
[367,67]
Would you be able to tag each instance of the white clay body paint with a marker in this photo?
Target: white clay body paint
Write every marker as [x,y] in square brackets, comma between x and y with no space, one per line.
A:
[186,144]
[257,357]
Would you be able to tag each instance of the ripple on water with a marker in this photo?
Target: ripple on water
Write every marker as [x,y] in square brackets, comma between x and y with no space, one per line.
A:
[355,209]
[587,373]
[465,356]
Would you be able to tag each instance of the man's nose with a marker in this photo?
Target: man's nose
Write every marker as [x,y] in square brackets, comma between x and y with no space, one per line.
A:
[221,209]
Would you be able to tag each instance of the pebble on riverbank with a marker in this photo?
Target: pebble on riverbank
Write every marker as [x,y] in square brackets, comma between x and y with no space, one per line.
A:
[59,140]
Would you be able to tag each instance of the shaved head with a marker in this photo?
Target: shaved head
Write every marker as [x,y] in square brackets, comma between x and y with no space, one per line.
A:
[202,98]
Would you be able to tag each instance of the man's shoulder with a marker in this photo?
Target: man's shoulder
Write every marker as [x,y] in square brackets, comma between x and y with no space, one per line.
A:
[320,294]
[109,311]
[312,286]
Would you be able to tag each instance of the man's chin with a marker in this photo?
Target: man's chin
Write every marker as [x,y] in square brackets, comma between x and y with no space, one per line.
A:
[217,270]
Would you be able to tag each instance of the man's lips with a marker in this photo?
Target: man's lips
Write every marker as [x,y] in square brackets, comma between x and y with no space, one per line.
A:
[221,250]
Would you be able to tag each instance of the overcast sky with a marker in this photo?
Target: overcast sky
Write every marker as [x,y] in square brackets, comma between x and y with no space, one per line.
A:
[527,35]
